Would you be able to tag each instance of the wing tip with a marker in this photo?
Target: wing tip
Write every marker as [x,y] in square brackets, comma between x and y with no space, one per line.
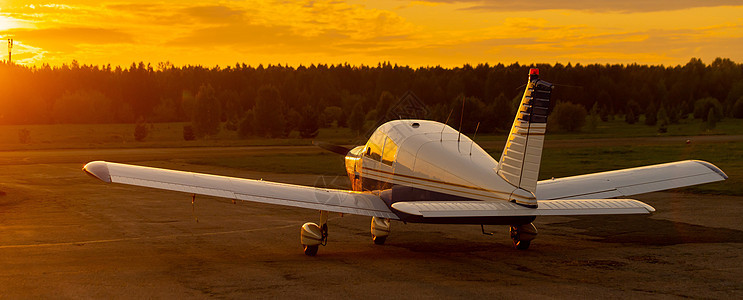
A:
[639,204]
[98,169]
[649,208]
[713,168]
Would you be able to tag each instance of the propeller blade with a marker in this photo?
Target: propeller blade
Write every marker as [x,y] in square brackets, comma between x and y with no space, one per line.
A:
[332,148]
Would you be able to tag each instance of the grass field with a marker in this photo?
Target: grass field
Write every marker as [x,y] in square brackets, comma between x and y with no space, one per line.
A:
[72,136]
[619,129]
[560,162]
[318,163]
[90,136]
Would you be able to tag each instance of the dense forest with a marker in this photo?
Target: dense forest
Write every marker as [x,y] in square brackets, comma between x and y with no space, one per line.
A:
[273,100]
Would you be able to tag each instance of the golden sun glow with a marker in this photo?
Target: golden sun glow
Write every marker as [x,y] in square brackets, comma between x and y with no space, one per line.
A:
[7,23]
[416,33]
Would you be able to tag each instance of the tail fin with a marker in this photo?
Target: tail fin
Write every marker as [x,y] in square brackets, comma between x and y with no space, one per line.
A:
[519,163]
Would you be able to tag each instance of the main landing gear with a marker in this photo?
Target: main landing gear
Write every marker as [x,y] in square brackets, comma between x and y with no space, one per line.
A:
[380,229]
[522,235]
[314,235]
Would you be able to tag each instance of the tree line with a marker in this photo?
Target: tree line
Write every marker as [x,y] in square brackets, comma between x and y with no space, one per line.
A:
[274,100]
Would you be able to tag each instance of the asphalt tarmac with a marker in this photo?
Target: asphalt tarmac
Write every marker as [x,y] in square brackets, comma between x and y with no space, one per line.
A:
[66,235]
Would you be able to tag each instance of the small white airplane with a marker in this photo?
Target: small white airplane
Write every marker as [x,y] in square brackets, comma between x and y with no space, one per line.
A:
[427,172]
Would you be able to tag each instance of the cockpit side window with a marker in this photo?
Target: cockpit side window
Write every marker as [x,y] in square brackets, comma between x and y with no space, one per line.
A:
[374,146]
[390,151]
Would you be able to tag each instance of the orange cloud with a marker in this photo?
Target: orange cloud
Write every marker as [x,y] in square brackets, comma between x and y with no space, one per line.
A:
[448,33]
[627,6]
[65,38]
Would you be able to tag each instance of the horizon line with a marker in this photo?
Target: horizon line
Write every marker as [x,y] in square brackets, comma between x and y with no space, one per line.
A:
[381,63]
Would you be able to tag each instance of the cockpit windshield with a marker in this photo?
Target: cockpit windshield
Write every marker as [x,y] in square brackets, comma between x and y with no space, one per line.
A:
[381,148]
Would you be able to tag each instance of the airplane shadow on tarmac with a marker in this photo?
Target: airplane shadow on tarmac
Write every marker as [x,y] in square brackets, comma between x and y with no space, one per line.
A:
[643,230]
[633,230]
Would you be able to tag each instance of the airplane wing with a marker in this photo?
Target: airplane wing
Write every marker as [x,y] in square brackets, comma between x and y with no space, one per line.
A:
[455,209]
[342,201]
[626,182]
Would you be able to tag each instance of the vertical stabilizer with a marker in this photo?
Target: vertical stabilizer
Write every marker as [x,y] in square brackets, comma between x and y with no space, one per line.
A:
[519,163]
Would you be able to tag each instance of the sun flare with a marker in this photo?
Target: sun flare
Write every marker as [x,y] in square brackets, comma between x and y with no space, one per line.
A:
[7,23]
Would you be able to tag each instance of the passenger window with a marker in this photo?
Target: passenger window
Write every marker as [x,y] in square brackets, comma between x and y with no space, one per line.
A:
[390,152]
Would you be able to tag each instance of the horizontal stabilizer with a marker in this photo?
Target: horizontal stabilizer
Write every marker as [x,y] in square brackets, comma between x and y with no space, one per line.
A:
[460,209]
[366,204]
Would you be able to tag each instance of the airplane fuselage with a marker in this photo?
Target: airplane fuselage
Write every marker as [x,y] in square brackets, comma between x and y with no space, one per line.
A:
[420,160]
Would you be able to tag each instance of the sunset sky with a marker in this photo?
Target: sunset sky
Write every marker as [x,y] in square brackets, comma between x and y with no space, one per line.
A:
[416,33]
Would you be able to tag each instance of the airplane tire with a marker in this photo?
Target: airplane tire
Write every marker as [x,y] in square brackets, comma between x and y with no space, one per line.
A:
[311,250]
[521,245]
[518,243]
[379,240]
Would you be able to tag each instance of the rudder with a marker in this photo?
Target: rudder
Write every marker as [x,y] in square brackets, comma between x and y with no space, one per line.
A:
[521,158]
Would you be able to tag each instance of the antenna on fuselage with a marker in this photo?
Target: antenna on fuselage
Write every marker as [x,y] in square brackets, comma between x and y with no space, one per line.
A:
[473,137]
[444,127]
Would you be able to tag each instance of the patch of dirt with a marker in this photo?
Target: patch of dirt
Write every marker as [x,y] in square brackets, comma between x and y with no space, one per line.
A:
[599,263]
[648,259]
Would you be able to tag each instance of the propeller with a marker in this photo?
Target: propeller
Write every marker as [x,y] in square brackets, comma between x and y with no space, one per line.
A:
[332,148]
